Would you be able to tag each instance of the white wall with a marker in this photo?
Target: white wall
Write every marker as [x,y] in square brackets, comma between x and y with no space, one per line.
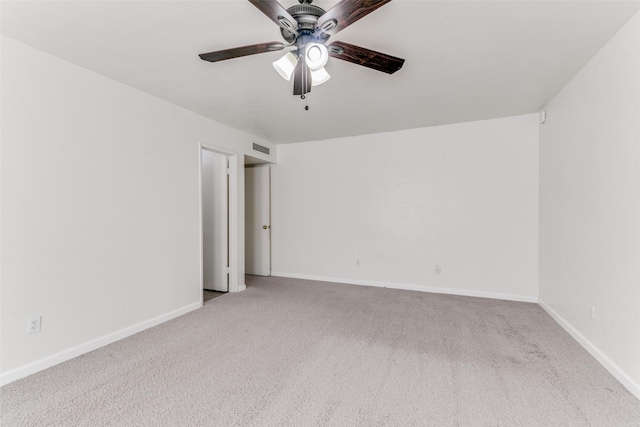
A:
[100,207]
[590,206]
[462,196]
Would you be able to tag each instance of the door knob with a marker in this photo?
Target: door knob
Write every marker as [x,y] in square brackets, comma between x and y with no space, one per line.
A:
[265,227]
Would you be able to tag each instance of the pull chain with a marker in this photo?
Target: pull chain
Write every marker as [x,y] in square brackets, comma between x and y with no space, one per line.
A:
[305,82]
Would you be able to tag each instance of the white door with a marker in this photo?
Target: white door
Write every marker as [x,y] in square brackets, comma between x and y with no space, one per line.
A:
[257,221]
[215,221]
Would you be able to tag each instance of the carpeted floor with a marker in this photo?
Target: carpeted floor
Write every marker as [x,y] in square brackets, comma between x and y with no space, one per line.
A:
[207,295]
[296,353]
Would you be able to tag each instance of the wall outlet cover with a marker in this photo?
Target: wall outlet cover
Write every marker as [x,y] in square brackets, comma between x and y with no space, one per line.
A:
[33,325]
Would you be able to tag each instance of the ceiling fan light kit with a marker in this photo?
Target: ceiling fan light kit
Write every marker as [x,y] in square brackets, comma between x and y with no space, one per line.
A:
[307,28]
[319,76]
[316,56]
[286,65]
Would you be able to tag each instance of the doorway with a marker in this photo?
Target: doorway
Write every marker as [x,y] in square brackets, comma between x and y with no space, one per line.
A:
[215,221]
[258,220]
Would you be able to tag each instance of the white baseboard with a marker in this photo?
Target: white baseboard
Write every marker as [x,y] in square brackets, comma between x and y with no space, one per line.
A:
[409,287]
[609,365]
[242,287]
[70,353]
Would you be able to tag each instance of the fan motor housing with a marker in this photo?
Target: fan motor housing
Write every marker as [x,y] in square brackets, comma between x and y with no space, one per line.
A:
[306,15]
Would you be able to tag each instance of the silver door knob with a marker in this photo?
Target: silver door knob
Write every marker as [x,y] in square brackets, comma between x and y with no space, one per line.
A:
[265,227]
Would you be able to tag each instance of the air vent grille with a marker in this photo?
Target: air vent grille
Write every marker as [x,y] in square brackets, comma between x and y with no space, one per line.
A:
[260,148]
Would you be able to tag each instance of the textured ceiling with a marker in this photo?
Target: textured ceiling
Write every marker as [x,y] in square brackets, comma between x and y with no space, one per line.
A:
[464,60]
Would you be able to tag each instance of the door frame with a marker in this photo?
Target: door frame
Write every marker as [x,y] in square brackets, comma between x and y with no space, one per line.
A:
[233,208]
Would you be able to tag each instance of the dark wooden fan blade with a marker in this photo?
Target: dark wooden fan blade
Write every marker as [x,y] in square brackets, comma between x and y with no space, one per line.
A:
[237,52]
[301,79]
[365,57]
[276,13]
[346,13]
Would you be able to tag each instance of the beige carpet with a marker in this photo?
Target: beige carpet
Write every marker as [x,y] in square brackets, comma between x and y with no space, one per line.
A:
[297,353]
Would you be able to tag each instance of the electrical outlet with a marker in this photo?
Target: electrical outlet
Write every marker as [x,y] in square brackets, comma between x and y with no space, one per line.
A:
[33,325]
[358,263]
[592,312]
[437,269]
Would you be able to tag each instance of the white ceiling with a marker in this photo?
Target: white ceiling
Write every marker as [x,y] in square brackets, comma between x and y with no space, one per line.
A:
[464,60]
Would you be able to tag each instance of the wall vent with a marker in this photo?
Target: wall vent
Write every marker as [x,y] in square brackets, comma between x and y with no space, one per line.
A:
[260,148]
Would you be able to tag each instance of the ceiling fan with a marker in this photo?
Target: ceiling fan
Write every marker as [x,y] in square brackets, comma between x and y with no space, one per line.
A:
[307,28]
